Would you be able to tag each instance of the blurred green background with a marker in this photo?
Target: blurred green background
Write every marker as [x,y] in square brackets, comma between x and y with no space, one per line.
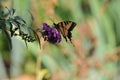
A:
[94,55]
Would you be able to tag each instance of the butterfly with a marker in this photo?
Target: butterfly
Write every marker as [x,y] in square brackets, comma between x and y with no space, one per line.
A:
[53,34]
[65,29]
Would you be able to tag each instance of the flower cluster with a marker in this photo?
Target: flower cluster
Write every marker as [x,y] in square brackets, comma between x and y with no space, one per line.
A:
[50,34]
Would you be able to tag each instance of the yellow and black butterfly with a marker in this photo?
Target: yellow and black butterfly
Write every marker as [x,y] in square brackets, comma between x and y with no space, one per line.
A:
[65,28]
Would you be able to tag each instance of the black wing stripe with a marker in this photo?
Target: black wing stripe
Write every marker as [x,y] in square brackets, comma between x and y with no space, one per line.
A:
[69,35]
[72,26]
[60,27]
[65,22]
[63,29]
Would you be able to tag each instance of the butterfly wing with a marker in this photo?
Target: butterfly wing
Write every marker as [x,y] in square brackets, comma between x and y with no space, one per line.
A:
[65,28]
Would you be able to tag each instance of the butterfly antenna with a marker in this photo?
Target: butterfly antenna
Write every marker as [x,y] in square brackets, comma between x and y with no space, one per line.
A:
[52,21]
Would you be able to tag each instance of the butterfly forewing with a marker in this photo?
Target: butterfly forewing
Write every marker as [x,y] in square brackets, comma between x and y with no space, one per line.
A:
[65,28]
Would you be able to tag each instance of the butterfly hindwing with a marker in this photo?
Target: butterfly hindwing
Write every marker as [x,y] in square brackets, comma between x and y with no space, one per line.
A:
[65,28]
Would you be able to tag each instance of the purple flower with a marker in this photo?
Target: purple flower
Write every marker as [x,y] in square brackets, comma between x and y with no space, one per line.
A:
[50,34]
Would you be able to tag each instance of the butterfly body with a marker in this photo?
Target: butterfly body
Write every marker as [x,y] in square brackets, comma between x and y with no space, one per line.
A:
[65,28]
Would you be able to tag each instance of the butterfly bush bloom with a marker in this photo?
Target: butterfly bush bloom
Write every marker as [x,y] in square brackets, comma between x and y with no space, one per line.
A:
[51,34]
